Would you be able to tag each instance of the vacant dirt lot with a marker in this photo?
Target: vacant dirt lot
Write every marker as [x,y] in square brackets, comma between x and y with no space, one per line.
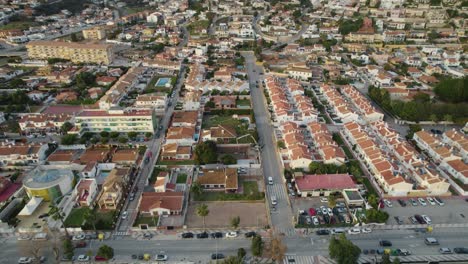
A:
[221,213]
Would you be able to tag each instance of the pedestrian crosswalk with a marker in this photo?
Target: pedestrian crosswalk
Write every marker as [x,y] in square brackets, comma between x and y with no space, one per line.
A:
[288,232]
[120,233]
[278,191]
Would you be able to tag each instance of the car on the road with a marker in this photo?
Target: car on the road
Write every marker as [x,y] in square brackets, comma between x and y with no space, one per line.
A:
[25,260]
[385,243]
[460,250]
[354,231]
[422,201]
[78,237]
[270,180]
[431,201]
[215,256]
[427,219]
[161,257]
[388,203]
[147,235]
[366,230]
[187,235]
[338,231]
[202,235]
[81,244]
[413,202]
[324,199]
[402,202]
[124,215]
[431,241]
[445,250]
[100,258]
[250,234]
[82,258]
[24,237]
[439,201]
[216,235]
[273,200]
[322,232]
[231,234]
[402,252]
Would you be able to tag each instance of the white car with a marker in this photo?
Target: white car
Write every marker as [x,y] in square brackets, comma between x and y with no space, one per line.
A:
[324,199]
[308,220]
[25,260]
[366,230]
[354,231]
[422,201]
[124,215]
[324,210]
[83,258]
[161,257]
[388,203]
[445,251]
[24,237]
[431,201]
[315,220]
[330,212]
[427,219]
[231,234]
[78,237]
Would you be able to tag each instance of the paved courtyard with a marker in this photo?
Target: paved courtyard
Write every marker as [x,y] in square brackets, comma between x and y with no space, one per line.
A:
[251,214]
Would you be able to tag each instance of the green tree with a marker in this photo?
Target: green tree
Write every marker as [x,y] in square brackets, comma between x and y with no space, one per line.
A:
[90,217]
[210,104]
[343,251]
[373,201]
[235,221]
[433,118]
[396,260]
[123,140]
[106,252]
[68,248]
[132,135]
[73,37]
[104,134]
[241,253]
[104,140]
[228,159]
[257,246]
[331,201]
[413,128]
[196,189]
[205,153]
[281,144]
[376,216]
[453,90]
[84,79]
[66,127]
[69,139]
[148,135]
[57,214]
[386,259]
[17,82]
[114,134]
[203,211]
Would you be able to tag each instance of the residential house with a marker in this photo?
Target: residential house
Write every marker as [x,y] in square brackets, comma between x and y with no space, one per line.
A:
[113,189]
[86,191]
[22,154]
[225,179]
[161,203]
[220,134]
[323,184]
[170,151]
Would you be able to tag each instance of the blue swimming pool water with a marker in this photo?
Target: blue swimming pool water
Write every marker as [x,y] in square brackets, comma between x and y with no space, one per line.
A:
[162,81]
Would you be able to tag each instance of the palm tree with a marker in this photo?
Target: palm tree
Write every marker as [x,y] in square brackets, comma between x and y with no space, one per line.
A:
[203,211]
[373,201]
[56,214]
[196,189]
[90,217]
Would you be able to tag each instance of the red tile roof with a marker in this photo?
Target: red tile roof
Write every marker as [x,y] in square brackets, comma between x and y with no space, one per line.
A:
[325,181]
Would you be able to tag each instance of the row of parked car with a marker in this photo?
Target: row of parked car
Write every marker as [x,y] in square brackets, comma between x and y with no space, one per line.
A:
[204,235]
[325,215]
[415,202]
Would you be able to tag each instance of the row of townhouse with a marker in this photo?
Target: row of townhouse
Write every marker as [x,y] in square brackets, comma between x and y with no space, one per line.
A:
[288,101]
[297,154]
[424,177]
[384,172]
[22,154]
[182,135]
[323,142]
[43,122]
[448,151]
[341,108]
[364,106]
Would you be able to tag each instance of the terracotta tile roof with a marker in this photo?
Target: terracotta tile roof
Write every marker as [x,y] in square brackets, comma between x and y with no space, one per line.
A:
[226,176]
[172,201]
[325,182]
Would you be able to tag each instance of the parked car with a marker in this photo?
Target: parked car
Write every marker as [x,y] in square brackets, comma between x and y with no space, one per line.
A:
[420,219]
[330,212]
[385,243]
[324,199]
[413,202]
[25,260]
[250,234]
[124,215]
[324,210]
[78,237]
[81,244]
[100,258]
[187,235]
[388,203]
[426,219]
[322,232]
[216,235]
[366,230]
[439,201]
[231,234]
[413,220]
[315,220]
[312,212]
[354,231]
[422,201]
[402,252]
[83,258]
[402,202]
[160,257]
[148,235]
[431,241]
[308,220]
[445,250]
[202,235]
[399,220]
[431,201]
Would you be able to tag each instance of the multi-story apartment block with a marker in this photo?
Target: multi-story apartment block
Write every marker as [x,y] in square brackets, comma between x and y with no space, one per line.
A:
[43,123]
[76,52]
[116,120]
[95,33]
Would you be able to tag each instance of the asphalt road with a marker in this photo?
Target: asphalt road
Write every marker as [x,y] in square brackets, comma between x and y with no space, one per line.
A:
[281,219]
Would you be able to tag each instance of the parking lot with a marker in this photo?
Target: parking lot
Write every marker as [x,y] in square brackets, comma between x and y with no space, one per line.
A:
[340,216]
[450,213]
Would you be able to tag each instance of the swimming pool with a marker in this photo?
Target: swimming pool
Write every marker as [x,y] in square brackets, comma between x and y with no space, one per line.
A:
[163,81]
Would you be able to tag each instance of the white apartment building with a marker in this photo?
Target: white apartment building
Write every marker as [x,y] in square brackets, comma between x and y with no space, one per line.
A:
[119,120]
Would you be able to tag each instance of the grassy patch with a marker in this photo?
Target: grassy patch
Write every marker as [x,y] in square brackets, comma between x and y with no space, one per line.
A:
[75,218]
[251,193]
[243,102]
[18,25]
[196,27]
[182,178]
[212,121]
[152,88]
[146,220]
[155,173]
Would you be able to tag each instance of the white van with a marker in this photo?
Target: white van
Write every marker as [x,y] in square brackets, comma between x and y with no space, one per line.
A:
[338,231]
[431,241]
[270,180]
[273,200]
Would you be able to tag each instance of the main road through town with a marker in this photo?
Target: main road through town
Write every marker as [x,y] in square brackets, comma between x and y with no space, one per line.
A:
[281,218]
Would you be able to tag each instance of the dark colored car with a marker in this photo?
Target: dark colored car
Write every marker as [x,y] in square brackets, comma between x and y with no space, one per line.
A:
[385,243]
[99,258]
[402,203]
[460,250]
[217,235]
[147,235]
[217,256]
[187,235]
[81,244]
[322,232]
[250,234]
[420,219]
[202,235]
[399,220]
